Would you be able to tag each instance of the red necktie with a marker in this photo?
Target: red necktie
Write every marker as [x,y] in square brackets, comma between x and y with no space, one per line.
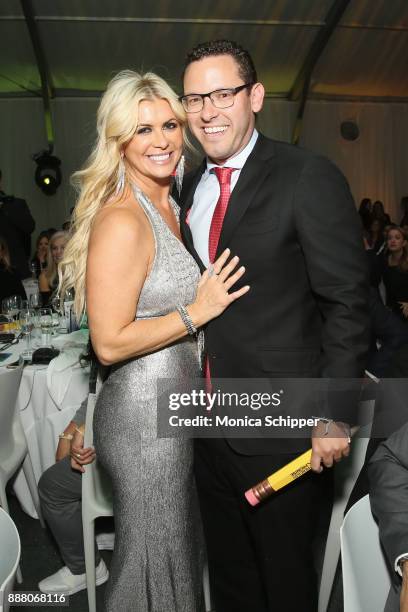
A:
[224,178]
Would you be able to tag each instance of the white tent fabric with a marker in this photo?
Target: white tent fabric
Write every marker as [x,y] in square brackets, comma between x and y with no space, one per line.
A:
[375,164]
[360,75]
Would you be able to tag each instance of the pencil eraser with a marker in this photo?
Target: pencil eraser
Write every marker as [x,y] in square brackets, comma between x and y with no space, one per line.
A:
[251,498]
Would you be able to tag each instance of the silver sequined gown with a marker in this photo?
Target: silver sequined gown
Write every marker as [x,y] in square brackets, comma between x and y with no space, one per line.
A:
[156,564]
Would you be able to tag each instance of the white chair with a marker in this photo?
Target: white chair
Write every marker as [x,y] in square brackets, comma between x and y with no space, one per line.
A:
[13,444]
[96,502]
[9,558]
[345,476]
[366,581]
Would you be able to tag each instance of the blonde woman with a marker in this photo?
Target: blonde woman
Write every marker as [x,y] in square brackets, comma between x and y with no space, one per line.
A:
[144,298]
[48,279]
[41,252]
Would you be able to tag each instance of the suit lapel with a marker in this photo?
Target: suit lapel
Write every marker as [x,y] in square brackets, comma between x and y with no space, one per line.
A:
[252,176]
[186,199]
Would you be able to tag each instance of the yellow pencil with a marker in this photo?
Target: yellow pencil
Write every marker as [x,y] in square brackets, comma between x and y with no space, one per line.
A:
[285,475]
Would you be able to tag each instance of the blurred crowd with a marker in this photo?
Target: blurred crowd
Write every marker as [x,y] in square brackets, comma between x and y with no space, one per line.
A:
[17,261]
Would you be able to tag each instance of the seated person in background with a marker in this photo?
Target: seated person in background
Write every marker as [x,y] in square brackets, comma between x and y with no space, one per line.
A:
[378,212]
[404,207]
[375,235]
[48,280]
[392,269]
[10,283]
[41,251]
[388,475]
[364,210]
[60,491]
[386,327]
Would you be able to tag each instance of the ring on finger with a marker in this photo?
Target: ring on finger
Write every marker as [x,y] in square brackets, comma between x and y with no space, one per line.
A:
[211,270]
[78,455]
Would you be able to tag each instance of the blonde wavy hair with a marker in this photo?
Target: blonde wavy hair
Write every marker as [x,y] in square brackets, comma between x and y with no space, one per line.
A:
[116,125]
[52,269]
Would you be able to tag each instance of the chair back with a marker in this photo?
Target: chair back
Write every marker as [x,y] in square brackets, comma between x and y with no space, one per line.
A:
[96,484]
[9,558]
[366,581]
[10,378]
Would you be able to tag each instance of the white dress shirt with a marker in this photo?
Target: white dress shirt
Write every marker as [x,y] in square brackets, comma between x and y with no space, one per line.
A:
[206,197]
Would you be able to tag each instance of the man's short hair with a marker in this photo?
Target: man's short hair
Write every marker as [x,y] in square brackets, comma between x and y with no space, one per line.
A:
[246,67]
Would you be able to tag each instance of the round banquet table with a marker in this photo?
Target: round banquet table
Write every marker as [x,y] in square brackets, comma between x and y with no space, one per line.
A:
[48,397]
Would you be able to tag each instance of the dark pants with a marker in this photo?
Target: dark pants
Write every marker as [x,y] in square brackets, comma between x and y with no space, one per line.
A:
[60,491]
[261,558]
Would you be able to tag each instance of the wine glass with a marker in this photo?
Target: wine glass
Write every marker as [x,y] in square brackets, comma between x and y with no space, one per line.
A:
[6,308]
[45,317]
[26,319]
[14,305]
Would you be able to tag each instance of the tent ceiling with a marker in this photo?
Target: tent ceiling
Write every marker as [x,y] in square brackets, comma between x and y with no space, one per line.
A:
[86,41]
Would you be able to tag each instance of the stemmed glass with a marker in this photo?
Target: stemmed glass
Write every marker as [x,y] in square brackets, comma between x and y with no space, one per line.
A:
[26,319]
[15,303]
[8,308]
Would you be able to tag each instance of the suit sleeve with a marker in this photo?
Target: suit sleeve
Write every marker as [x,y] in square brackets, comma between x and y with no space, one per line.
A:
[330,235]
[388,475]
[19,214]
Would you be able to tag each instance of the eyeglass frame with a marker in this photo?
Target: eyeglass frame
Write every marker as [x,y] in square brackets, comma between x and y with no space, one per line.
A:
[233,90]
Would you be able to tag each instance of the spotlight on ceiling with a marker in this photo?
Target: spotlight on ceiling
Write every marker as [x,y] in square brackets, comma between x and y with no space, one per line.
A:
[48,172]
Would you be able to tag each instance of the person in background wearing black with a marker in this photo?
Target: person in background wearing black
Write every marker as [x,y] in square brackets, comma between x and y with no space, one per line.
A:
[404,206]
[10,283]
[17,225]
[39,261]
[364,210]
[379,213]
[393,271]
[375,235]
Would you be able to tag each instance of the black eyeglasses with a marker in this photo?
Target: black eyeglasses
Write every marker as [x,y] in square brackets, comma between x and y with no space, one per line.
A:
[220,98]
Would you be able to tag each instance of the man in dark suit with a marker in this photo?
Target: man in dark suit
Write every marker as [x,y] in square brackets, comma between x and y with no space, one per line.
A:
[388,473]
[291,219]
[16,227]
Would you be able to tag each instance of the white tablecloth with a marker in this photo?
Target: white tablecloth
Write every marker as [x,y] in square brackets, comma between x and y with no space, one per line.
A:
[47,400]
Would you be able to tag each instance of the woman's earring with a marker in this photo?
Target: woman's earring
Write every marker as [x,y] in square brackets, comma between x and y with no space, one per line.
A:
[180,174]
[121,176]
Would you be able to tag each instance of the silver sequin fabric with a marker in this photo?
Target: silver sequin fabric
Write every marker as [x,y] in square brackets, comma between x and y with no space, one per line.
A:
[157,561]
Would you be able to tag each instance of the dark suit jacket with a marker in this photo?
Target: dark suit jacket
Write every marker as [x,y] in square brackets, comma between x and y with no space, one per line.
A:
[292,221]
[16,226]
[388,474]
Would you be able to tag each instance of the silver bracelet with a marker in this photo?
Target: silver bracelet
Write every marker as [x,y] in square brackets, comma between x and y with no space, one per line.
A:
[327,423]
[185,317]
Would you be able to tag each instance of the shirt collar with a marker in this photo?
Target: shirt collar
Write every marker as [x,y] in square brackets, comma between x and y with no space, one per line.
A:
[237,161]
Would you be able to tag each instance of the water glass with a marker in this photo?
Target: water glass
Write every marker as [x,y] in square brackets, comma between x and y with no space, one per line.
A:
[35,300]
[46,324]
[26,319]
